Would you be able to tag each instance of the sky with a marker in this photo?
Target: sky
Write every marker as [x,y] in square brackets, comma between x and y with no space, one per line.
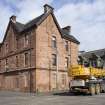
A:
[86,18]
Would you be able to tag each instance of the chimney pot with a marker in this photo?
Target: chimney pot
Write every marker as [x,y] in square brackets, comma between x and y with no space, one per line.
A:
[48,8]
[67,29]
[13,19]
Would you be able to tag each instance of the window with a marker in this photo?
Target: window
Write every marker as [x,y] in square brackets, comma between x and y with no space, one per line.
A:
[26,59]
[66,45]
[17,82]
[17,43]
[66,62]
[6,48]
[54,77]
[16,61]
[54,59]
[0,64]
[25,80]
[54,42]
[26,40]
[6,64]
[63,79]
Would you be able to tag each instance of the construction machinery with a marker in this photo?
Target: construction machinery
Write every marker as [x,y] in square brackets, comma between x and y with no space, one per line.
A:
[88,80]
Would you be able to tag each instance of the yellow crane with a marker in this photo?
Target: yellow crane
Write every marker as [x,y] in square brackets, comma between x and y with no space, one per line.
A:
[86,79]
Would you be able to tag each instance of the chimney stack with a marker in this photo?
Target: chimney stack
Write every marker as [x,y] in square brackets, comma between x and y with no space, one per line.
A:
[13,19]
[48,8]
[67,29]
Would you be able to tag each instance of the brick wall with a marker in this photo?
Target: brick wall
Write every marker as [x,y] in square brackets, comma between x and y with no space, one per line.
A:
[44,34]
[39,75]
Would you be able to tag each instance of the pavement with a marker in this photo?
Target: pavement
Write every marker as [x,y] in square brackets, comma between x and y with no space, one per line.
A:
[16,98]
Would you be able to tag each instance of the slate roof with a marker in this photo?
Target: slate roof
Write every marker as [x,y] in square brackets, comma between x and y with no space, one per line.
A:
[100,53]
[22,27]
[19,26]
[71,37]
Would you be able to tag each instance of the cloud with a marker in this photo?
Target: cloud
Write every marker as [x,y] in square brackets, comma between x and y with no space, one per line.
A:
[25,11]
[31,9]
[87,21]
[86,18]
[5,13]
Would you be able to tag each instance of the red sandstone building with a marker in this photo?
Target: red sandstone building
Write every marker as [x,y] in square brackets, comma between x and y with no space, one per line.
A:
[35,56]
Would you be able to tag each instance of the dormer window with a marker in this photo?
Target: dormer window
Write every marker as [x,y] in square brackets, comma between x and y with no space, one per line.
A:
[54,43]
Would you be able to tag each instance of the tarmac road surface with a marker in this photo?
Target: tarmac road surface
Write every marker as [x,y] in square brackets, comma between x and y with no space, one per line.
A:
[16,98]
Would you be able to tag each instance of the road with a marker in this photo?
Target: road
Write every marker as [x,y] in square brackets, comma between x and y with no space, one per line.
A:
[14,98]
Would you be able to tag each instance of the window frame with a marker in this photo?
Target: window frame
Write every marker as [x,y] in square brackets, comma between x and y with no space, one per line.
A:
[26,57]
[26,39]
[66,62]
[6,48]
[66,46]
[6,64]
[17,62]
[54,59]
[54,42]
[0,64]
[63,79]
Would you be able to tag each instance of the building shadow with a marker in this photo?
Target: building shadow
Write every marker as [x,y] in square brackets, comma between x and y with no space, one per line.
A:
[70,94]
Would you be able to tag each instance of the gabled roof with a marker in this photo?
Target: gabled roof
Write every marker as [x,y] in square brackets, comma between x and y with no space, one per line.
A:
[19,27]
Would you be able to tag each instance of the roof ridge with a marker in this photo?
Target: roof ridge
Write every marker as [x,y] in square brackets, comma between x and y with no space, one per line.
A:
[94,50]
[34,19]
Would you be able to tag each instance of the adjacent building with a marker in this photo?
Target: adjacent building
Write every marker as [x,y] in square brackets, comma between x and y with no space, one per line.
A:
[34,57]
[95,58]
